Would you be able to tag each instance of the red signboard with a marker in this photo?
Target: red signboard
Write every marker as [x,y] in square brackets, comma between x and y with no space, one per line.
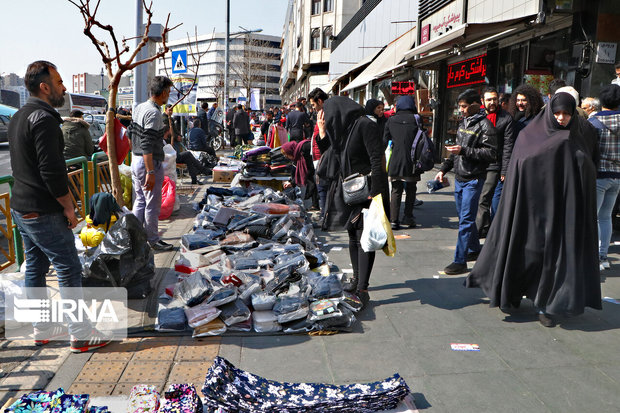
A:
[425,35]
[403,88]
[467,72]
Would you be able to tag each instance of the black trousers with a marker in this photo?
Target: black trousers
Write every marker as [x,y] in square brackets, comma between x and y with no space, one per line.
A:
[297,135]
[483,218]
[194,167]
[396,199]
[361,261]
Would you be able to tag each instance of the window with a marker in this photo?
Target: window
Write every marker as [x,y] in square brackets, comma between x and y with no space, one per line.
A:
[315,39]
[316,7]
[327,34]
[328,5]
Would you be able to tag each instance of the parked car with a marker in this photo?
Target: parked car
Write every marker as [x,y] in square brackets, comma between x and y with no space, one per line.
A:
[4,128]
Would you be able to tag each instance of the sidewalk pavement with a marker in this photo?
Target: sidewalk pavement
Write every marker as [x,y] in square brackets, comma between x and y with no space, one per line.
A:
[414,316]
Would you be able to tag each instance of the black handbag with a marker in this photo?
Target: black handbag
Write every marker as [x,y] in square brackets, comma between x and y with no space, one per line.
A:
[355,187]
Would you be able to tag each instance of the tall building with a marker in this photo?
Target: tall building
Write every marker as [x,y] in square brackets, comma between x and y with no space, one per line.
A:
[254,64]
[310,27]
[88,83]
[23,93]
[11,79]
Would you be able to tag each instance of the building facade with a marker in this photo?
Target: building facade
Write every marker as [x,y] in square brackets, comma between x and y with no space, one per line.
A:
[89,83]
[309,29]
[254,61]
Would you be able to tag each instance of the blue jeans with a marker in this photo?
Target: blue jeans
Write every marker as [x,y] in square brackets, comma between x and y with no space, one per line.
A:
[48,239]
[496,197]
[606,193]
[147,204]
[322,190]
[466,197]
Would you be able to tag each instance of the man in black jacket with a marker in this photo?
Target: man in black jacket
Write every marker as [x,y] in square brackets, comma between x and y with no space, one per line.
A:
[41,204]
[296,122]
[241,123]
[203,117]
[504,128]
[475,148]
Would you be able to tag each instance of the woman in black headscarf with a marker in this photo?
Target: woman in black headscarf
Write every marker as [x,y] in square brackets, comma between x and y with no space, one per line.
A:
[543,241]
[364,154]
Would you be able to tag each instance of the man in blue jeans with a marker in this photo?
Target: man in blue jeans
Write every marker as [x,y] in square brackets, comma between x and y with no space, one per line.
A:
[476,146]
[41,204]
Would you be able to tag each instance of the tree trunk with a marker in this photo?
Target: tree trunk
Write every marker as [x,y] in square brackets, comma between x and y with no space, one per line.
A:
[117,189]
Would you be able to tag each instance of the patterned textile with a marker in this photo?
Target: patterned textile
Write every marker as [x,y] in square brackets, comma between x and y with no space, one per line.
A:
[181,398]
[54,402]
[234,390]
[607,124]
[143,399]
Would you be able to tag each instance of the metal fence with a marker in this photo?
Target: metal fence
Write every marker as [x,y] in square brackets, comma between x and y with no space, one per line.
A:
[85,179]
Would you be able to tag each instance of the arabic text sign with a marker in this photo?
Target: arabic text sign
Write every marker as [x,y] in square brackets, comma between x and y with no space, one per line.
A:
[467,72]
[403,88]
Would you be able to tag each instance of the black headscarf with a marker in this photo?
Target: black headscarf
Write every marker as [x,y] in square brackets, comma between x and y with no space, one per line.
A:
[340,114]
[371,105]
[561,101]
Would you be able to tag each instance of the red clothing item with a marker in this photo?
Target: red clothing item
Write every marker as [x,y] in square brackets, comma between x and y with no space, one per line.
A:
[316,153]
[493,118]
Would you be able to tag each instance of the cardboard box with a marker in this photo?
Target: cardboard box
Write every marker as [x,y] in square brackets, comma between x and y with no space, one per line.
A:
[224,174]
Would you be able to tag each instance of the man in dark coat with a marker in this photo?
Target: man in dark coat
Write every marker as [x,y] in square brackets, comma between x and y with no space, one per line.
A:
[296,122]
[543,243]
[401,129]
[230,115]
[475,148]
[241,123]
[203,116]
[494,181]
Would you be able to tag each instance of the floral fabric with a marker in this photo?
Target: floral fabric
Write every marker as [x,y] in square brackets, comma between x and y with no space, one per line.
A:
[234,390]
[181,398]
[54,402]
[143,399]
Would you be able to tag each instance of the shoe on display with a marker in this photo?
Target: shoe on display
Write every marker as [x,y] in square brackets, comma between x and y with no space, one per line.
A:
[455,268]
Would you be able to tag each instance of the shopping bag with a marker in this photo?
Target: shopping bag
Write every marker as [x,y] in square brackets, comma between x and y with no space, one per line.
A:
[168,192]
[122,142]
[388,155]
[390,246]
[374,235]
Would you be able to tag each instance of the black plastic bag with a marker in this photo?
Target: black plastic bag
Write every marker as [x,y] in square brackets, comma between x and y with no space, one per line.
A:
[123,259]
[193,290]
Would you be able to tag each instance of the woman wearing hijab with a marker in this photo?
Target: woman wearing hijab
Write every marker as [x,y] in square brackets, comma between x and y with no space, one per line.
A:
[401,129]
[365,156]
[543,241]
[300,154]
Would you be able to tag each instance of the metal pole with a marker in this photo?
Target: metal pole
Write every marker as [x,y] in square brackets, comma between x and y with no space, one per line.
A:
[226,56]
[265,96]
[138,78]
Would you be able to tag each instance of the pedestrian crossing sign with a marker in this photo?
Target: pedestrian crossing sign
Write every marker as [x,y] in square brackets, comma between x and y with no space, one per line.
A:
[179,61]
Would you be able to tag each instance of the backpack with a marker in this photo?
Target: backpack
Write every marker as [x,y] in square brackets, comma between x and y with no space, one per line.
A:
[422,150]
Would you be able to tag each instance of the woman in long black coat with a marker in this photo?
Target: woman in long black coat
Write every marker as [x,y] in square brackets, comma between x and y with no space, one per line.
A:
[365,156]
[543,243]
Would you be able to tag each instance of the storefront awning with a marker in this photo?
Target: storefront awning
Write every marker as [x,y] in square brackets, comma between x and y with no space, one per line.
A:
[391,57]
[328,86]
[360,64]
[465,33]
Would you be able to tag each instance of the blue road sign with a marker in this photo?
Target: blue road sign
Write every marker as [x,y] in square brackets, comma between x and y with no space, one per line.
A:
[179,61]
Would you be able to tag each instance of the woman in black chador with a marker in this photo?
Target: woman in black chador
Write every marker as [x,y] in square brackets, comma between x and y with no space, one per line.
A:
[543,241]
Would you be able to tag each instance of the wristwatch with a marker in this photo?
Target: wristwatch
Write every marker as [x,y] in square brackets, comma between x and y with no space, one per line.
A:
[151,172]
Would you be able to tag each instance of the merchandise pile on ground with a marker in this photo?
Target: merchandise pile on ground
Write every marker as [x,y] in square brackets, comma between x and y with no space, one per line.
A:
[252,263]
[264,162]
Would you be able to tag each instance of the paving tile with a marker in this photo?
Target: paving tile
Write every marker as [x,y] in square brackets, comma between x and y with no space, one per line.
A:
[153,351]
[427,320]
[230,349]
[573,389]
[198,350]
[139,371]
[189,372]
[101,372]
[124,389]
[592,346]
[27,377]
[50,356]
[94,389]
[116,351]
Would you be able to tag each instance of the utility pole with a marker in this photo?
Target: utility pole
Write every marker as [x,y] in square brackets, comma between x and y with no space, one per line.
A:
[139,71]
[226,56]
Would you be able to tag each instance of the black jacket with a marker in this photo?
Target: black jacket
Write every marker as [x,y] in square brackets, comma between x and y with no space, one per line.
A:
[477,138]
[297,121]
[504,127]
[401,129]
[36,148]
[241,122]
[204,119]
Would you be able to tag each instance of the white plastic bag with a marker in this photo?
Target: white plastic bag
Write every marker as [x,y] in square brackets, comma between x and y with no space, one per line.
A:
[374,236]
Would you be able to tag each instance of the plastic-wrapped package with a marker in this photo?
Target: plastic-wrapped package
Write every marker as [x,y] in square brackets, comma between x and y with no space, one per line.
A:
[266,276]
[171,319]
[263,301]
[322,309]
[245,264]
[281,228]
[324,287]
[201,314]
[225,214]
[342,322]
[251,201]
[236,238]
[351,301]
[244,326]
[221,296]
[290,262]
[212,328]
[281,281]
[271,208]
[259,231]
[249,291]
[193,290]
[183,265]
[316,258]
[290,307]
[231,279]
[235,312]
[295,326]
[265,322]
[197,240]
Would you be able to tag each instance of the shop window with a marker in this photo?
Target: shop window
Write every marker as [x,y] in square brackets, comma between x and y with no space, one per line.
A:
[328,5]
[315,39]
[316,7]
[327,34]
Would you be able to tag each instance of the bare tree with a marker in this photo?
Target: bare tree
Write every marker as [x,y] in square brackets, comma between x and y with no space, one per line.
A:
[216,85]
[111,58]
[250,66]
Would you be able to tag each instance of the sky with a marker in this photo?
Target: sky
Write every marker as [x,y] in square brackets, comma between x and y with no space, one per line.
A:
[53,29]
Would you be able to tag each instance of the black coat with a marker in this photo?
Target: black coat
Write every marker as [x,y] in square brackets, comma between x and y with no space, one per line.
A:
[241,123]
[476,136]
[505,137]
[401,129]
[543,242]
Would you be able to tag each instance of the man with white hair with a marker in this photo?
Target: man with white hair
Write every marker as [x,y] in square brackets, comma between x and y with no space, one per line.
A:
[591,106]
